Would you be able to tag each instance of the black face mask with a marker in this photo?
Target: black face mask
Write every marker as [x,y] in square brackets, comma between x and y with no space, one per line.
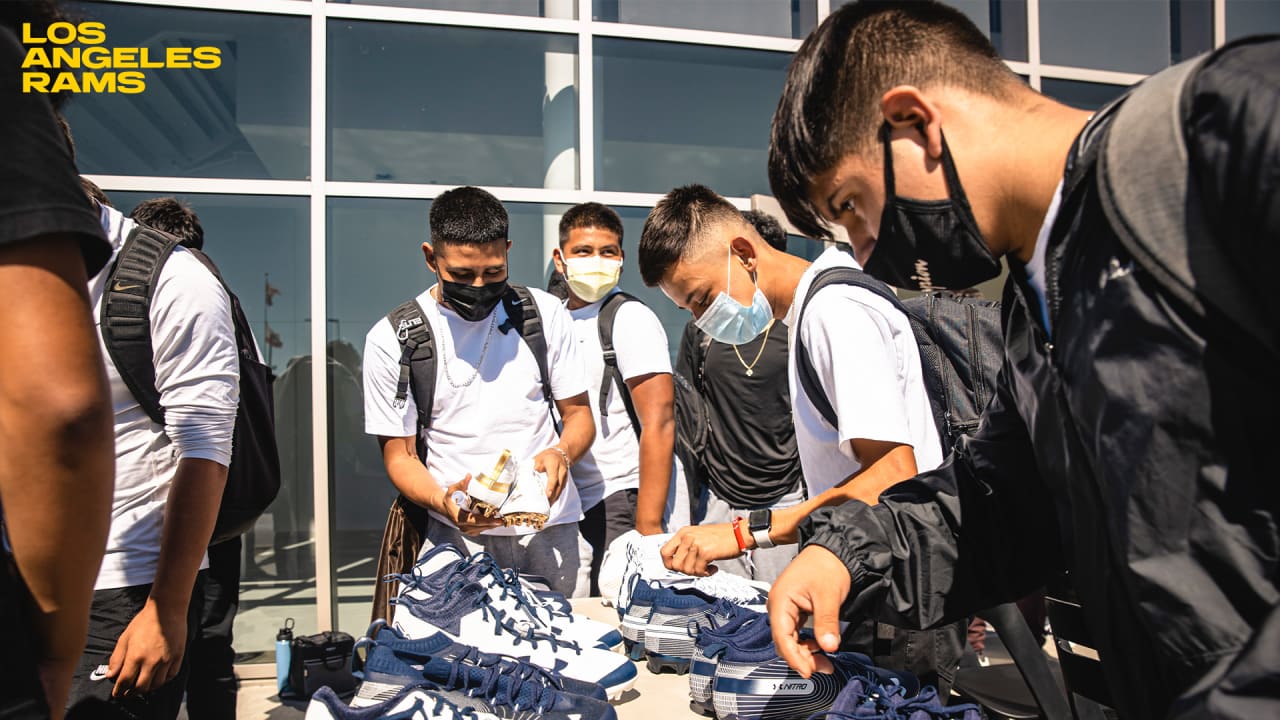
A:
[470,302]
[929,244]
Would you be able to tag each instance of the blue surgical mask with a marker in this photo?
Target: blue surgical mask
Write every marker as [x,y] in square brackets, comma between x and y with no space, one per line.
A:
[729,321]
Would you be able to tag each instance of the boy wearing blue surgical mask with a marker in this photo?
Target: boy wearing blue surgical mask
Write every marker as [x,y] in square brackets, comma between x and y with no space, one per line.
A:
[708,259]
[624,479]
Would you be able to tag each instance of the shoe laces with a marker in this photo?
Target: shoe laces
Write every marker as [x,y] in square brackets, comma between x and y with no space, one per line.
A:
[439,705]
[520,677]
[523,631]
[508,583]
[729,587]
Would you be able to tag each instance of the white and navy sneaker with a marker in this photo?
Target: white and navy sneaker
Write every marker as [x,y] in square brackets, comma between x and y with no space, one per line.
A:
[501,688]
[410,703]
[465,613]
[635,615]
[708,646]
[445,564]
[440,647]
[678,614]
[753,683]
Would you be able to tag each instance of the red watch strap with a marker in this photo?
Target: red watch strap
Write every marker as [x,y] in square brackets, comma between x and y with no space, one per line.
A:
[737,534]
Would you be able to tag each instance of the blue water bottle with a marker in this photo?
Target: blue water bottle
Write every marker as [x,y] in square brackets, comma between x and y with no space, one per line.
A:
[284,643]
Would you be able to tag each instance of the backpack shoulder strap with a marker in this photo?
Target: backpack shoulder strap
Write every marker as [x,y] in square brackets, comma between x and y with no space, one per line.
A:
[612,374]
[245,343]
[126,313]
[1149,193]
[417,360]
[805,371]
[700,372]
[523,317]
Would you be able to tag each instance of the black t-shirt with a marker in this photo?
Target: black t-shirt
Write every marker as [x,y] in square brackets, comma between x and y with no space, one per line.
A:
[751,453]
[40,191]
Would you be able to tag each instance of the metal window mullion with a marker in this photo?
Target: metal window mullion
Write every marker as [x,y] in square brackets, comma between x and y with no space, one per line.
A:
[424,16]
[1106,77]
[1219,23]
[824,9]
[694,37]
[211,186]
[326,595]
[586,100]
[1033,43]
[277,7]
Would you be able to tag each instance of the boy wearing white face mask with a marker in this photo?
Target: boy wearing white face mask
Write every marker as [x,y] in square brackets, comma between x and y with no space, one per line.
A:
[624,479]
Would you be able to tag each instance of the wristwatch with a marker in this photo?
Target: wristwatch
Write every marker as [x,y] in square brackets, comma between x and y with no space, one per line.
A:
[760,522]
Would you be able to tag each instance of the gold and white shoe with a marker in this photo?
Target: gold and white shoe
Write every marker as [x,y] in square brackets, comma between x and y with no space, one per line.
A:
[512,492]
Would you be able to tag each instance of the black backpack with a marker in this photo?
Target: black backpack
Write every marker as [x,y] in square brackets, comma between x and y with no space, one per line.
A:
[418,352]
[253,478]
[961,351]
[693,420]
[612,375]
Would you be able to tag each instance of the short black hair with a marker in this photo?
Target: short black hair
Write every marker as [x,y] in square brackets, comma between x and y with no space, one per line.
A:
[590,215]
[830,105]
[677,221]
[172,216]
[94,192]
[768,227]
[467,216]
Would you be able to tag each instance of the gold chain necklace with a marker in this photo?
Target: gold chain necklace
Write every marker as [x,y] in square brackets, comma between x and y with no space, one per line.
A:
[751,368]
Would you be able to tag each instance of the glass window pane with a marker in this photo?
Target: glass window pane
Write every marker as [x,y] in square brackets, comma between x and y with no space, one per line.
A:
[375,263]
[247,119]
[669,114]
[260,242]
[1004,21]
[781,18]
[1083,95]
[533,8]
[1123,35]
[448,105]
[1252,17]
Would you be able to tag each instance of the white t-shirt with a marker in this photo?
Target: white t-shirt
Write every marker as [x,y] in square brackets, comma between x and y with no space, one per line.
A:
[198,376]
[866,359]
[1035,269]
[503,408]
[640,342]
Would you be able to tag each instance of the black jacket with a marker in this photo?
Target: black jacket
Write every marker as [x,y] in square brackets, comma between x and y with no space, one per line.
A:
[1135,447]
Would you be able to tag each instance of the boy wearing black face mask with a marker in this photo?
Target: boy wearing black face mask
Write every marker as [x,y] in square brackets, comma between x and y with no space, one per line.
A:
[488,396]
[1126,443]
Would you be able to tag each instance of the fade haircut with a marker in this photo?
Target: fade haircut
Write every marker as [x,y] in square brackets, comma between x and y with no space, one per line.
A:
[830,105]
[172,216]
[590,215]
[94,192]
[467,216]
[678,224]
[768,227]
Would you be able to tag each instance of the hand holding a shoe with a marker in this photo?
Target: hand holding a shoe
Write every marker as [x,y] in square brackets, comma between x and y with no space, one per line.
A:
[555,463]
[468,522]
[815,583]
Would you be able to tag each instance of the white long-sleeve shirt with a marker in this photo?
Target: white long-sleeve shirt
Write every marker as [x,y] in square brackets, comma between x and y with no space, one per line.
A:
[198,376]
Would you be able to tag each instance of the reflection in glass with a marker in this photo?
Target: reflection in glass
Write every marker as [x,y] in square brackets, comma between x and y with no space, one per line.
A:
[780,18]
[1004,21]
[262,247]
[533,8]
[1252,17]
[1137,36]
[669,115]
[246,119]
[1083,95]
[375,262]
[451,106]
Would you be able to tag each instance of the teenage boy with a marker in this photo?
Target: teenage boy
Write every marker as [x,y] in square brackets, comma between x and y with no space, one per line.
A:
[749,462]
[488,397]
[707,259]
[169,481]
[624,478]
[1127,444]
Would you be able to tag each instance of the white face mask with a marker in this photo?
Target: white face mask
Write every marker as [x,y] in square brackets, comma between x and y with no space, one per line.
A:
[591,278]
[729,321]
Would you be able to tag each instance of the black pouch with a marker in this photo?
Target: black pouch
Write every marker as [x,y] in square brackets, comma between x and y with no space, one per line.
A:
[319,660]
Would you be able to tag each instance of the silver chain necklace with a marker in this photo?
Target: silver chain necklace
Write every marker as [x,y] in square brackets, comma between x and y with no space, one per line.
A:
[444,355]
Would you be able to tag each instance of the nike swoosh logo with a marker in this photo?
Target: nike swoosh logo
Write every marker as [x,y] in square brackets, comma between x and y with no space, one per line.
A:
[121,288]
[99,673]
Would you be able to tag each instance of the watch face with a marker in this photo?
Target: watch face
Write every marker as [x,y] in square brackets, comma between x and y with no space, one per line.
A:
[760,519]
